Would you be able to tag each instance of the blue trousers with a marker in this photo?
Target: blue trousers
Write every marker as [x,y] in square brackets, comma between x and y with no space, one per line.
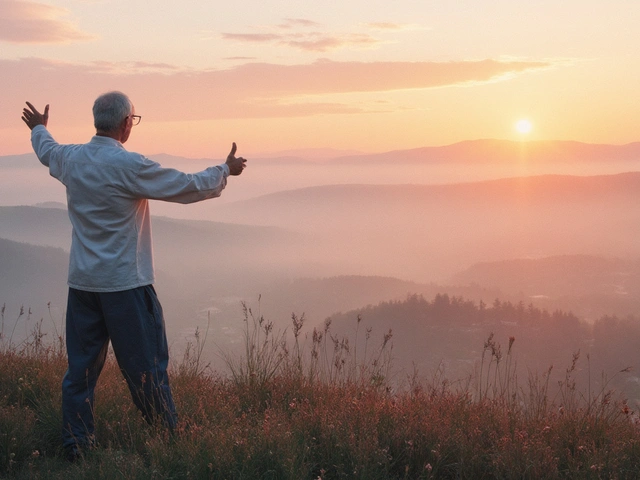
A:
[133,321]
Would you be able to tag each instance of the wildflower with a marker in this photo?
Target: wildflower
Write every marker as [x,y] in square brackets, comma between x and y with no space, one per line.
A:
[428,467]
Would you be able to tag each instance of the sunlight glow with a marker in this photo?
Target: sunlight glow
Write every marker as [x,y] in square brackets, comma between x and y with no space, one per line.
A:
[523,126]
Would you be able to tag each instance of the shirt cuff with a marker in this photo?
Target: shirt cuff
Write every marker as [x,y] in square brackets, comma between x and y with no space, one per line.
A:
[225,169]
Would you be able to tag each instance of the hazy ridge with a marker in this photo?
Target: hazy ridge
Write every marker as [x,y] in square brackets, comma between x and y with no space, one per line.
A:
[566,242]
[428,232]
[505,151]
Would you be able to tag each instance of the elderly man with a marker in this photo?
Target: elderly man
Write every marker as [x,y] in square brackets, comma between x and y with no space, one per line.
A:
[111,276]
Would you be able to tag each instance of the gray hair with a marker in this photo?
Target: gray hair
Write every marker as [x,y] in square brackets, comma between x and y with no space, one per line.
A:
[109,110]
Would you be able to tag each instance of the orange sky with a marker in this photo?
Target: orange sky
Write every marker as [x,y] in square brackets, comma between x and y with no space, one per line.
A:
[279,75]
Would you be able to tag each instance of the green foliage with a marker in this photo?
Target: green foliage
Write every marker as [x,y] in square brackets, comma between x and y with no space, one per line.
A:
[320,405]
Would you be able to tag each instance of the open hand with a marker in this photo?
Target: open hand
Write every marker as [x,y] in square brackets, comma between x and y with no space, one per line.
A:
[33,117]
[236,165]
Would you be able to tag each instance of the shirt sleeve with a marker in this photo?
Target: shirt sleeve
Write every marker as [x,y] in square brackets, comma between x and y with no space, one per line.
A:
[155,182]
[47,150]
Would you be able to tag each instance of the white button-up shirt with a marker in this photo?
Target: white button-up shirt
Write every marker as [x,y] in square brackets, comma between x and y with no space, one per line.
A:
[107,196]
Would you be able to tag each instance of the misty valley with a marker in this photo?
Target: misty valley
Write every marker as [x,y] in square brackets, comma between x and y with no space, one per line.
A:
[539,269]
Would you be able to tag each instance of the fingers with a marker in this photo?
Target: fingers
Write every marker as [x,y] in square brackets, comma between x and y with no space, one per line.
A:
[31,111]
[32,117]
[233,150]
[27,113]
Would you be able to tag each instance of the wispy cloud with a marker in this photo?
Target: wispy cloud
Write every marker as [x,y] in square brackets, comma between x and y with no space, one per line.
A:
[322,43]
[132,68]
[298,22]
[308,41]
[31,22]
[240,58]
[252,37]
[253,90]
[304,34]
[389,26]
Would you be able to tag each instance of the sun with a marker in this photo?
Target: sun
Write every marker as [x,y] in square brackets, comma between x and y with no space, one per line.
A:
[524,126]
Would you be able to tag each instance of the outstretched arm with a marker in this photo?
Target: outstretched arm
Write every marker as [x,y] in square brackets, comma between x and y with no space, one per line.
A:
[33,117]
[236,165]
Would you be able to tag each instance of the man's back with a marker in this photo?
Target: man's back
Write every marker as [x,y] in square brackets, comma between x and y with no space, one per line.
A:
[111,241]
[107,192]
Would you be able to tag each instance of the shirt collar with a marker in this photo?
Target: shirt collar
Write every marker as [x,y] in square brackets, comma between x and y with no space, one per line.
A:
[100,140]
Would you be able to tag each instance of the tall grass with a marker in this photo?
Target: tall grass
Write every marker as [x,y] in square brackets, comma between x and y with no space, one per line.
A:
[315,405]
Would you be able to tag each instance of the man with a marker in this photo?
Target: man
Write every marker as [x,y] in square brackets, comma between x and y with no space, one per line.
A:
[111,276]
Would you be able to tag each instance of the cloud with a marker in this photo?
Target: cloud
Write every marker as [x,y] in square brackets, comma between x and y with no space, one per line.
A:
[330,77]
[388,26]
[298,22]
[252,37]
[135,67]
[31,22]
[322,43]
[240,58]
[299,36]
[308,41]
[253,90]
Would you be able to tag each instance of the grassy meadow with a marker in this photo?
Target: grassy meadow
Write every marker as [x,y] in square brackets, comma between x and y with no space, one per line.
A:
[312,405]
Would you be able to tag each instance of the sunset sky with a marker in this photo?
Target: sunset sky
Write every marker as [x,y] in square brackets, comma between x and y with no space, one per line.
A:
[359,75]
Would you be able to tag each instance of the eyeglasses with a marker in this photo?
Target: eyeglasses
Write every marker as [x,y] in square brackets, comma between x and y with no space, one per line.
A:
[135,119]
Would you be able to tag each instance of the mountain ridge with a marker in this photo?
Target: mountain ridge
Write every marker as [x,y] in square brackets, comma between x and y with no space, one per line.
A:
[487,150]
[499,151]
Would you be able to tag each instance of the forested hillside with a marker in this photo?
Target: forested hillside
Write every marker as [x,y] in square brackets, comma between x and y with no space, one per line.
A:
[452,333]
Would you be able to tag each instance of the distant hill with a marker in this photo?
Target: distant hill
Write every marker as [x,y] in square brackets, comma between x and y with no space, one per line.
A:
[193,258]
[513,193]
[504,151]
[465,161]
[26,160]
[58,205]
[318,298]
[469,151]
[309,154]
[36,225]
[557,276]
[49,224]
[590,286]
[423,232]
[450,337]
[32,274]
[489,151]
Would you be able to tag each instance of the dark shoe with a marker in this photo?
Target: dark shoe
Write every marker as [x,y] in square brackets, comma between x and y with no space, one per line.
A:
[73,454]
